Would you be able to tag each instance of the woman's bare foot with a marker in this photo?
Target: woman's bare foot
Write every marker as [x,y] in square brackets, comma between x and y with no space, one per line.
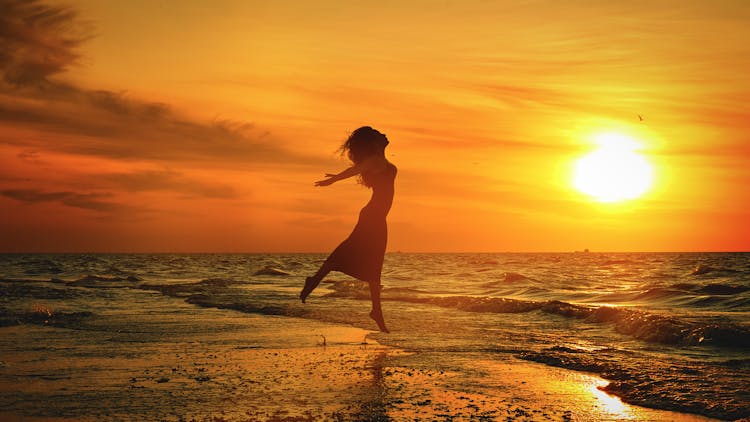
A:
[378,317]
[310,285]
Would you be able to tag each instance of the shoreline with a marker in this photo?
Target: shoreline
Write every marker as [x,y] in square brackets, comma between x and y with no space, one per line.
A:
[237,366]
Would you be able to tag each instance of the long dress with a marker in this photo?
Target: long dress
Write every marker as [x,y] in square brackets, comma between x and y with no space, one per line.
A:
[361,254]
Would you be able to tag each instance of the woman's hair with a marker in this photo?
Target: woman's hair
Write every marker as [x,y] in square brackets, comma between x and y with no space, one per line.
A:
[363,143]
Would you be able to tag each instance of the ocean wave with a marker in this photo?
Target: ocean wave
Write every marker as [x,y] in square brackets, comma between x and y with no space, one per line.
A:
[487,262]
[615,297]
[706,269]
[270,270]
[353,289]
[712,295]
[645,326]
[211,301]
[656,328]
[101,281]
[41,315]
[41,267]
[736,363]
[209,285]
[114,270]
[722,289]
[685,286]
[658,293]
[739,303]
[218,282]
[719,289]
[401,290]
[11,289]
[525,292]
[683,386]
[612,262]
[508,278]
[714,302]
[511,277]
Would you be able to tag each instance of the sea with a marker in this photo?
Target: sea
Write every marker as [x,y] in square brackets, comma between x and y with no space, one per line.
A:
[667,330]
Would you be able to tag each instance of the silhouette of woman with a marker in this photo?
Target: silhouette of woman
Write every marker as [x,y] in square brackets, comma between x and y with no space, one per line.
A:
[361,254]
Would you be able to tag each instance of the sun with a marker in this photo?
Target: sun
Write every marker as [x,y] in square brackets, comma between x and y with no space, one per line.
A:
[615,172]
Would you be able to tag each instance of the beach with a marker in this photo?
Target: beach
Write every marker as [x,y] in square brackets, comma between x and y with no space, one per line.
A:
[224,337]
[237,367]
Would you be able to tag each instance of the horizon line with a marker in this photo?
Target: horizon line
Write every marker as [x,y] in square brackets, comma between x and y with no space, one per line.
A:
[326,252]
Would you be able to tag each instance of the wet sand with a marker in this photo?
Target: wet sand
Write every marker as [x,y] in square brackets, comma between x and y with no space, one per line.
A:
[195,380]
[334,382]
[509,389]
[183,363]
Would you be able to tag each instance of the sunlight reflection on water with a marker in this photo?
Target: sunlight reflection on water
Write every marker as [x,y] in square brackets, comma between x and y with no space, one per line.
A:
[612,404]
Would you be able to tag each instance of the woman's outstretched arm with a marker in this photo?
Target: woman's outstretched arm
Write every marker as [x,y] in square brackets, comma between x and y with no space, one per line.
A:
[351,171]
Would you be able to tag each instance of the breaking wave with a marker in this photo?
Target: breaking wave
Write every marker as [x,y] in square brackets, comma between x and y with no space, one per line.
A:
[646,326]
[660,385]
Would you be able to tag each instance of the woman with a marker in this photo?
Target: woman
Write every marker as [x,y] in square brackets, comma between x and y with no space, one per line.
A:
[361,254]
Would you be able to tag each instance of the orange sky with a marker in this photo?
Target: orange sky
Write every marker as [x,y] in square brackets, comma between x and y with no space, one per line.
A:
[189,126]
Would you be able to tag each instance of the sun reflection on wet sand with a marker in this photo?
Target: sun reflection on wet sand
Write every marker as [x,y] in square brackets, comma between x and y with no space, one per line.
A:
[612,404]
[506,388]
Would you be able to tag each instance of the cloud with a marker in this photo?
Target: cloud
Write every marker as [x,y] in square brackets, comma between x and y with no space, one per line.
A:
[38,42]
[88,201]
[166,181]
[30,157]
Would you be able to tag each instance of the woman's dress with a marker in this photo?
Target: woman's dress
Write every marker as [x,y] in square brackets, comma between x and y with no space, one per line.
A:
[361,254]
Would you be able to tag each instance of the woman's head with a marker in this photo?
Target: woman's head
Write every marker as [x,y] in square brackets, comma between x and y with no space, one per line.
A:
[364,143]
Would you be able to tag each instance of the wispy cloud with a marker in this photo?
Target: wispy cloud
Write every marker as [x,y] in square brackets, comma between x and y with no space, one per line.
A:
[88,201]
[30,156]
[165,180]
[38,42]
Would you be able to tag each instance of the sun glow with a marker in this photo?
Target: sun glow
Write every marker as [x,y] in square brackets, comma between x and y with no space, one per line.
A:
[614,172]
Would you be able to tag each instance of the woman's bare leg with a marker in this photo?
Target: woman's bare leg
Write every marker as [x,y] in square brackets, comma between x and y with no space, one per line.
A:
[312,282]
[377,312]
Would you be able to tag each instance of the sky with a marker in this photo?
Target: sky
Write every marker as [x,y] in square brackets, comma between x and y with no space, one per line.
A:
[201,126]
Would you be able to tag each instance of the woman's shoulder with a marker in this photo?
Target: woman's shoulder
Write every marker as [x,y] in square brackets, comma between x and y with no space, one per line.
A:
[379,165]
[381,170]
[388,168]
